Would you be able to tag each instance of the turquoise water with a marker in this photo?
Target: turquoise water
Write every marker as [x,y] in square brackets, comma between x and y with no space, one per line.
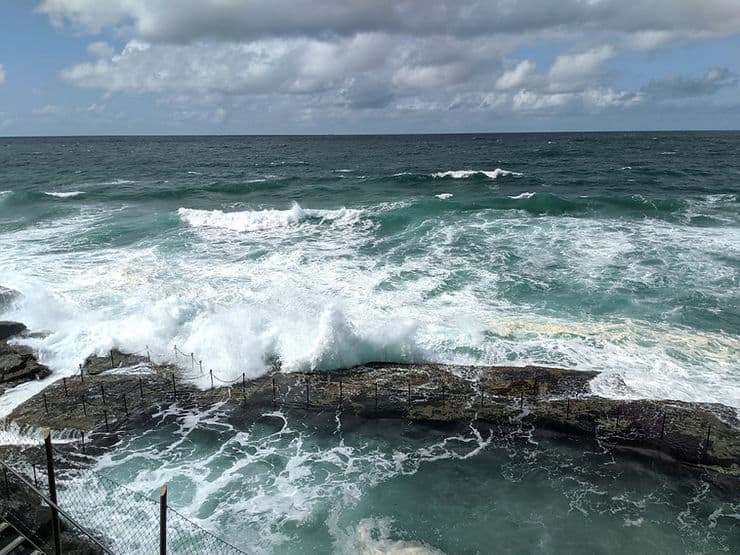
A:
[614,252]
[319,483]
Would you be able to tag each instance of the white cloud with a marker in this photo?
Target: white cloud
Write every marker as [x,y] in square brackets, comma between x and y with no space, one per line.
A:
[517,77]
[100,49]
[205,59]
[571,71]
[190,20]
[2,74]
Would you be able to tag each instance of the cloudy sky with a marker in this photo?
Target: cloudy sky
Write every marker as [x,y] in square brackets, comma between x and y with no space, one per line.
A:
[367,66]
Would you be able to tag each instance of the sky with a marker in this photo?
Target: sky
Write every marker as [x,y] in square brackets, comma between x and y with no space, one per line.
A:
[91,67]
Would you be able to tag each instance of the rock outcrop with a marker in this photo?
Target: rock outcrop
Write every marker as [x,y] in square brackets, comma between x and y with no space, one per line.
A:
[17,362]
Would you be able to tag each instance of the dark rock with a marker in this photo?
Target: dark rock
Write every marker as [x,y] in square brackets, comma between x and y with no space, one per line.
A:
[9,329]
[18,364]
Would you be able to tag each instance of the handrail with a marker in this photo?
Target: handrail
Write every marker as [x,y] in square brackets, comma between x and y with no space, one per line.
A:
[55,506]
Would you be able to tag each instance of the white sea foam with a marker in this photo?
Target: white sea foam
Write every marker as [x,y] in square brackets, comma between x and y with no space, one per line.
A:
[464,174]
[119,182]
[310,289]
[65,194]
[523,196]
[444,196]
[258,220]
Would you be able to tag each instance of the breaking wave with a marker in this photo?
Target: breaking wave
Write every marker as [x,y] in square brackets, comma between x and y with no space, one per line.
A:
[260,220]
[464,174]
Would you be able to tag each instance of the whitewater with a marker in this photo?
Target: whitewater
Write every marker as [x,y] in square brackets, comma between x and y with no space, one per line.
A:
[587,251]
[628,266]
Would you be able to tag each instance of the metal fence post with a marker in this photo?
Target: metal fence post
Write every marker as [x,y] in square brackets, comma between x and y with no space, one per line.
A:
[46,404]
[148,355]
[102,393]
[662,427]
[211,378]
[83,441]
[64,382]
[82,375]
[244,385]
[35,479]
[53,493]
[105,415]
[174,387]
[111,358]
[163,520]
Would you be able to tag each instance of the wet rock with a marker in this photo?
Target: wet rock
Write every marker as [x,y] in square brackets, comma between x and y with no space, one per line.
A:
[95,364]
[18,364]
[10,329]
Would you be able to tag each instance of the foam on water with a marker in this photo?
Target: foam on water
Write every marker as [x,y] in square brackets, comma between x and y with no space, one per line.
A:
[65,194]
[444,196]
[259,220]
[523,196]
[304,287]
[464,174]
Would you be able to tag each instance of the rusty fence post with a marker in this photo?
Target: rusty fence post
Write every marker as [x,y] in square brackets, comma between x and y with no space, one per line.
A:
[46,404]
[56,529]
[163,520]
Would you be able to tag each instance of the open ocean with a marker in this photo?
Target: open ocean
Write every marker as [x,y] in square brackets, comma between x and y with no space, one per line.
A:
[616,252]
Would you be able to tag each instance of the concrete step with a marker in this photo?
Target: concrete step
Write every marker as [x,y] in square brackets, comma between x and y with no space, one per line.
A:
[12,545]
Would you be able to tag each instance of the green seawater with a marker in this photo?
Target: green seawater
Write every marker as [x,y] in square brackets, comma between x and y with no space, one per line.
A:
[616,252]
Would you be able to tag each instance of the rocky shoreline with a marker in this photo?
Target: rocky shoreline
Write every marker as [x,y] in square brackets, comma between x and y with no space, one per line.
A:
[112,390]
[18,363]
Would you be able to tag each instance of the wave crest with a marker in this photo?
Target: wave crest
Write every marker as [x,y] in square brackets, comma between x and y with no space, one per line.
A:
[464,174]
[261,220]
